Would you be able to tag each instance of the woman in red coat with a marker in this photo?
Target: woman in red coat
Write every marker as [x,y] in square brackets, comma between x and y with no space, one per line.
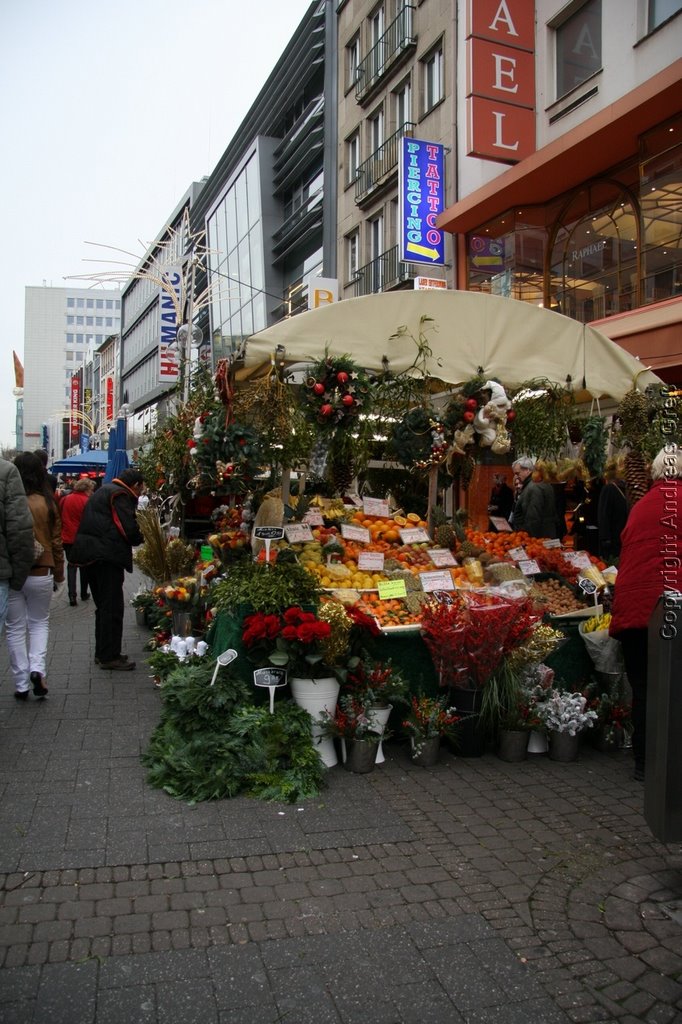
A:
[72,512]
[650,566]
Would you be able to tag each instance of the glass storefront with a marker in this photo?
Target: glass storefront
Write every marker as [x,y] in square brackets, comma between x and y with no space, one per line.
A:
[610,246]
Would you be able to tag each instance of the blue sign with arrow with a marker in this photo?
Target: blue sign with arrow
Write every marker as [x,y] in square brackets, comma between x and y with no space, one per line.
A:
[422,198]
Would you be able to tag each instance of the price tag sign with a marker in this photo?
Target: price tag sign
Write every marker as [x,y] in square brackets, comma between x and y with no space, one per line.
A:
[518,554]
[442,556]
[431,581]
[416,535]
[298,533]
[268,532]
[352,499]
[552,543]
[500,524]
[372,560]
[359,533]
[529,567]
[587,586]
[272,678]
[313,517]
[392,588]
[580,559]
[375,507]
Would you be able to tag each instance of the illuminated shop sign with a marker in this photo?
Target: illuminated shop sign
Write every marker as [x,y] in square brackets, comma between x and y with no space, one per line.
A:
[75,407]
[422,198]
[486,255]
[501,79]
[169,366]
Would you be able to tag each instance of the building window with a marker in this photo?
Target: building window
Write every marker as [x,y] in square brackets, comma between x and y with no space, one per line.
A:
[90,303]
[578,47]
[110,303]
[432,66]
[352,62]
[661,10]
[69,339]
[376,26]
[375,125]
[100,303]
[352,157]
[80,303]
[70,319]
[70,303]
[352,254]
[402,99]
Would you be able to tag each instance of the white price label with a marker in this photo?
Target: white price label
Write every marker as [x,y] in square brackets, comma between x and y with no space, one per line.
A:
[518,554]
[529,567]
[375,507]
[442,556]
[298,532]
[313,517]
[500,524]
[417,535]
[359,533]
[372,560]
[431,581]
[580,559]
[552,543]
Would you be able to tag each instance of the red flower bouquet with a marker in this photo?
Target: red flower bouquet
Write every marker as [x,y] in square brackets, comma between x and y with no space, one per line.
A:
[293,640]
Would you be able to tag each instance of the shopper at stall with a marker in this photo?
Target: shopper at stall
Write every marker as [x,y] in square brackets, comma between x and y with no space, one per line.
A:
[650,566]
[72,507]
[28,609]
[534,509]
[106,536]
[16,535]
[612,513]
[501,497]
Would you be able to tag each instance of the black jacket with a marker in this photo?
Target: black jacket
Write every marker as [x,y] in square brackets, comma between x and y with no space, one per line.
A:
[108,530]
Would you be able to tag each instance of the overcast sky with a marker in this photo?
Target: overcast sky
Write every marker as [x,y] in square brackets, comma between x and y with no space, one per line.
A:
[174,81]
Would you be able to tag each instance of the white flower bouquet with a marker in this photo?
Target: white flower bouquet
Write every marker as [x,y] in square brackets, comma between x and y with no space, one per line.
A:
[562,711]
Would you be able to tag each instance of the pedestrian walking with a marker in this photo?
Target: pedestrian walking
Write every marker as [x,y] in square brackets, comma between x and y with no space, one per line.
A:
[71,508]
[16,535]
[28,609]
[650,566]
[104,543]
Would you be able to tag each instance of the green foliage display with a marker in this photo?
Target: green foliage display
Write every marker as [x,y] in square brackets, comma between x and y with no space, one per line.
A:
[212,744]
[542,410]
[595,438]
[266,588]
[228,458]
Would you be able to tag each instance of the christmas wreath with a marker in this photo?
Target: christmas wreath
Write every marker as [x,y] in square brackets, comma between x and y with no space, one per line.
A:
[419,441]
[336,392]
[227,458]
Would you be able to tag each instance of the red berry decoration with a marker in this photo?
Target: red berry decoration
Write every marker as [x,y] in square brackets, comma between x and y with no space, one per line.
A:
[468,416]
[318,388]
[342,377]
[511,415]
[326,409]
[472,404]
[348,400]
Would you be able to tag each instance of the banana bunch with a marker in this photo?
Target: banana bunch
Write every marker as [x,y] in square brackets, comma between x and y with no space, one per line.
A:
[597,623]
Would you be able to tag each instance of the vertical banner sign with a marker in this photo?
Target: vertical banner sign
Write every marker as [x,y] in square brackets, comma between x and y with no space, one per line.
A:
[109,398]
[169,365]
[421,192]
[500,65]
[75,407]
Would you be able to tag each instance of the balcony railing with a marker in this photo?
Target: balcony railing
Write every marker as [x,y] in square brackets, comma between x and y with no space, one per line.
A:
[383,273]
[382,161]
[383,55]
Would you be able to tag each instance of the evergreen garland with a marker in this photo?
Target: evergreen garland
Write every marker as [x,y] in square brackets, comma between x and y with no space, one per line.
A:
[228,458]
[211,744]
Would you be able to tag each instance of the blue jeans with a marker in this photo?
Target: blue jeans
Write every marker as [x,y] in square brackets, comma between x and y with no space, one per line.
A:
[4,597]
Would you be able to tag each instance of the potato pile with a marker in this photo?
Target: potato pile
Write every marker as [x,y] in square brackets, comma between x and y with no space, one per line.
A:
[554,598]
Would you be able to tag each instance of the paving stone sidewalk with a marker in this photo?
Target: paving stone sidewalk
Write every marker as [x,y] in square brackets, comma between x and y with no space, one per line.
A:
[477,892]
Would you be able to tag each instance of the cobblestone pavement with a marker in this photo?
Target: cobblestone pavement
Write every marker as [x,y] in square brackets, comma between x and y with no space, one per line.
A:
[477,891]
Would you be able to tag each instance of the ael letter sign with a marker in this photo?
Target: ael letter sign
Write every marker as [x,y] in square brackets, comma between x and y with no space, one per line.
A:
[501,79]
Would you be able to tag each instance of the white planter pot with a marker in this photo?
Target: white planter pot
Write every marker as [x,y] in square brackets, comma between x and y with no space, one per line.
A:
[379,719]
[316,696]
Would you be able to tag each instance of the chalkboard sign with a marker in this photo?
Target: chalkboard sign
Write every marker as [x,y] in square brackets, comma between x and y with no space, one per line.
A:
[587,586]
[268,532]
[270,677]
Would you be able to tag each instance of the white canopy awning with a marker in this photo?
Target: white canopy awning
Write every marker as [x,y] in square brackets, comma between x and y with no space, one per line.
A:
[467,333]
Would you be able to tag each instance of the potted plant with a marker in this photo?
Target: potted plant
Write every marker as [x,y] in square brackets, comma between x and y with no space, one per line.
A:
[565,715]
[427,721]
[350,722]
[142,602]
[516,722]
[378,686]
[614,721]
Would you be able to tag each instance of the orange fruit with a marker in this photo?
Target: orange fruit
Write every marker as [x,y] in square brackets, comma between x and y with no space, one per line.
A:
[413,517]
[400,520]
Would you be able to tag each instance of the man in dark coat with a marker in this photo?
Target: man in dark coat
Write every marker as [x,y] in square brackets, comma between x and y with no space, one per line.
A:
[534,510]
[106,536]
